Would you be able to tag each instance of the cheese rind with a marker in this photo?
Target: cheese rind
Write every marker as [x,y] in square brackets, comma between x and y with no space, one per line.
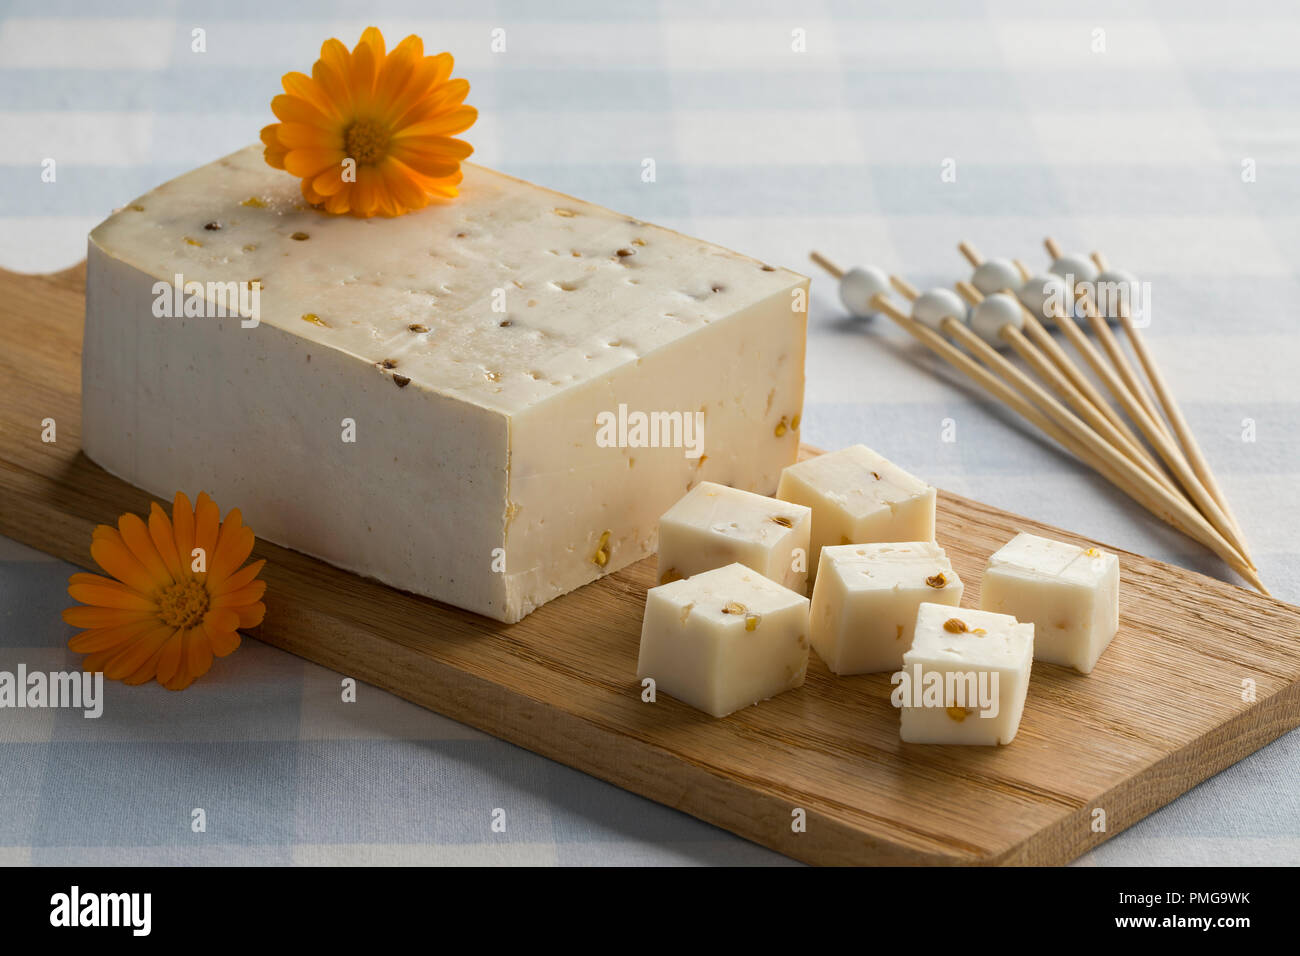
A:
[982,661]
[865,602]
[714,525]
[858,496]
[724,639]
[420,399]
[1071,594]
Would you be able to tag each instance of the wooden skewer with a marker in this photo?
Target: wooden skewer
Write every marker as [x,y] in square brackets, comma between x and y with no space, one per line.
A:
[1182,430]
[1117,357]
[1040,337]
[1163,443]
[1043,339]
[1062,386]
[835,271]
[1067,430]
[1171,456]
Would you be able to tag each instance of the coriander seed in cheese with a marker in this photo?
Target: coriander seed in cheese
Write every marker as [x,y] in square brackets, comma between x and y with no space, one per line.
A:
[857,496]
[965,678]
[865,602]
[724,639]
[427,399]
[1071,594]
[714,525]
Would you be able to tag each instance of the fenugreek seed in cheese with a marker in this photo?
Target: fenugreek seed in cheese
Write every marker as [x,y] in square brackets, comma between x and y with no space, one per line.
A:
[489,401]
[724,639]
[714,525]
[965,678]
[858,497]
[866,598]
[1071,595]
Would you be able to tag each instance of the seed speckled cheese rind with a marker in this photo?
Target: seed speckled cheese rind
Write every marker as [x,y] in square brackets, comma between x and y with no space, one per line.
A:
[476,476]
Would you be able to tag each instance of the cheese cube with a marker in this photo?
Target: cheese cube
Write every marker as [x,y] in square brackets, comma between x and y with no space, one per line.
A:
[965,678]
[865,602]
[1071,595]
[724,639]
[489,401]
[857,497]
[714,525]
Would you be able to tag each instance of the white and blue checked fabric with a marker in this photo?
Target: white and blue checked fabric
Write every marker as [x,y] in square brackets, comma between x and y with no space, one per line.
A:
[1166,133]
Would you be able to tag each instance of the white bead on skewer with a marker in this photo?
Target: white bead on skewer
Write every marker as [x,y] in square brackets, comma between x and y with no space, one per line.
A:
[1043,294]
[995,275]
[858,286]
[935,306]
[994,311]
[1079,267]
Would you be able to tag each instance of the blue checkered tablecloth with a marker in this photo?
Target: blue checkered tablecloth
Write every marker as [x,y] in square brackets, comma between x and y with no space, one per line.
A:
[1166,133]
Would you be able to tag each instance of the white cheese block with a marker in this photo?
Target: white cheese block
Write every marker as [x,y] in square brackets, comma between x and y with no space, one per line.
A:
[492,358]
[965,678]
[1071,595]
[714,525]
[858,496]
[865,602]
[724,639]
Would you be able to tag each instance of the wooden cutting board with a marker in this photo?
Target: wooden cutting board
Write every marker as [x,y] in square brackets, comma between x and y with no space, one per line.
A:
[1163,710]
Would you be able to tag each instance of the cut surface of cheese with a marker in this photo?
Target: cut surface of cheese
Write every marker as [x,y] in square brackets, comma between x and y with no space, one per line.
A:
[724,639]
[858,496]
[714,525]
[866,599]
[490,401]
[1071,594]
[968,676]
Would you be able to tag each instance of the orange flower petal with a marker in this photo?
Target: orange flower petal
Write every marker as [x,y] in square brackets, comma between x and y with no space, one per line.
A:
[83,616]
[328,183]
[169,656]
[312,162]
[248,594]
[130,658]
[105,638]
[164,539]
[251,615]
[147,670]
[183,527]
[198,653]
[296,109]
[224,643]
[136,535]
[234,542]
[105,596]
[117,559]
[306,88]
[207,520]
[239,579]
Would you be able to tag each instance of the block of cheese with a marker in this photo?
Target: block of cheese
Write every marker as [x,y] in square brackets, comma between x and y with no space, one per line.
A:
[965,677]
[714,525]
[857,496]
[866,598]
[1071,595]
[490,401]
[724,639]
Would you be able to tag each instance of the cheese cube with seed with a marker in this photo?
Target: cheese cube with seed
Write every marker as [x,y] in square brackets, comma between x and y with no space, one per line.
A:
[724,639]
[714,525]
[965,678]
[1071,595]
[857,497]
[865,602]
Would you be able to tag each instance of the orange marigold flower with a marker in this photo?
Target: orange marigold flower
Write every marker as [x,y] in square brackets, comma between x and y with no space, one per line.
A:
[157,616]
[391,115]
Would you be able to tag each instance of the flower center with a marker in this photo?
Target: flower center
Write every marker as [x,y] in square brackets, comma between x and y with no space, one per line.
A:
[183,604]
[366,141]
